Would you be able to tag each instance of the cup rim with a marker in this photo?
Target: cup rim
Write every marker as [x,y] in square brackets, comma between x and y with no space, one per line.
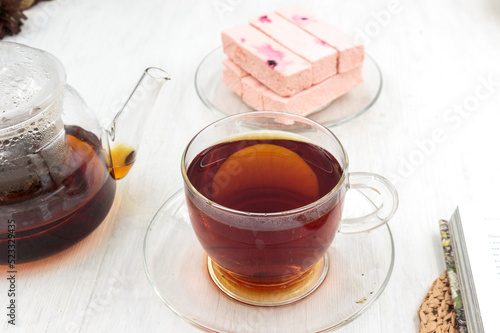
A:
[318,202]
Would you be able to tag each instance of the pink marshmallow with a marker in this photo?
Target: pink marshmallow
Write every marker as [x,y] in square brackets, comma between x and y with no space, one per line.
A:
[253,91]
[351,52]
[244,85]
[307,101]
[232,76]
[323,58]
[312,99]
[268,61]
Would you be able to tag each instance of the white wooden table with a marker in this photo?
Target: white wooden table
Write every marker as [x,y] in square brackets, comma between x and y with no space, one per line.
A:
[433,132]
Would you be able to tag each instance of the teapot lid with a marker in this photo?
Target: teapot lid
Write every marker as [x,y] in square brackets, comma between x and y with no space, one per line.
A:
[30,81]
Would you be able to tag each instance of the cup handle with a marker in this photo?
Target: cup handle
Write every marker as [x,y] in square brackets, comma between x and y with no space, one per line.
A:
[371,186]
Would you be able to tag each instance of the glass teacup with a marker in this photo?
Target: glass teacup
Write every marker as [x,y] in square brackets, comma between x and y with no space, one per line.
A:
[265,193]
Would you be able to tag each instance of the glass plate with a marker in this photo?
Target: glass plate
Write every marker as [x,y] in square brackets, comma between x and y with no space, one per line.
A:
[221,99]
[176,267]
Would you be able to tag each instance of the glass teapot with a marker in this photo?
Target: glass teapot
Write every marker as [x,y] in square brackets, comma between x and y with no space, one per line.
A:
[58,165]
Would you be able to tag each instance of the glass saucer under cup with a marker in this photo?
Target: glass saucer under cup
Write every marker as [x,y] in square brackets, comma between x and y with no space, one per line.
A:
[222,100]
[176,267]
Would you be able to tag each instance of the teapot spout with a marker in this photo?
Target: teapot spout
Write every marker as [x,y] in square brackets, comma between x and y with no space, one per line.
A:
[127,127]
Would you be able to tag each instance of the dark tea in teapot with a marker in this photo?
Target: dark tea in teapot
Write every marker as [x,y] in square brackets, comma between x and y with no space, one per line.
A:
[48,219]
[57,182]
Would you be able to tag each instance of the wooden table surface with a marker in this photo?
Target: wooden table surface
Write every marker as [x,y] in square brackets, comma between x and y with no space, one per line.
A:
[433,133]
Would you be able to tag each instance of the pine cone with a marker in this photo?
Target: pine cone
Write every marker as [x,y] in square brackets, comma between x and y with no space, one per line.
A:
[10,17]
[25,4]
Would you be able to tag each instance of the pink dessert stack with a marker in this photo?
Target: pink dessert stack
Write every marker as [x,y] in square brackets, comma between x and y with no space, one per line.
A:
[290,60]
